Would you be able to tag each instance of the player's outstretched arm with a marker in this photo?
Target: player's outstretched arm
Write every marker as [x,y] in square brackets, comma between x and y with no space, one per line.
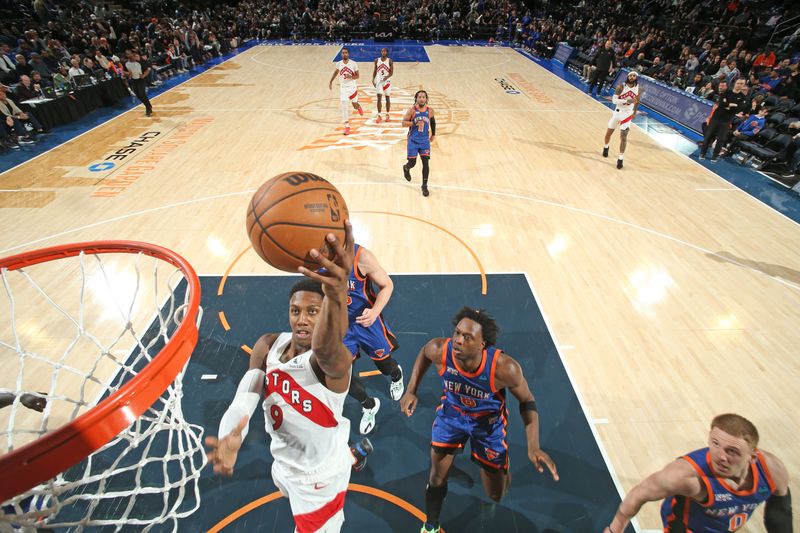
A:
[329,353]
[509,374]
[223,449]
[369,266]
[36,402]
[678,478]
[430,353]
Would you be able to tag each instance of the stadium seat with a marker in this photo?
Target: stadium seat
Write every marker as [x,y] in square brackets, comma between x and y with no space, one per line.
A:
[774,119]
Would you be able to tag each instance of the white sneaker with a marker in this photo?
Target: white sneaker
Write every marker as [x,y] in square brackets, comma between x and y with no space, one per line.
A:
[368,418]
[396,388]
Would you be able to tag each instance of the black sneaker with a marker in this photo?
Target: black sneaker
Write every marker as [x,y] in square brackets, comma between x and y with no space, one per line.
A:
[360,451]
[406,173]
[425,191]
[605,152]
[26,140]
[702,156]
[619,163]
[713,159]
[148,113]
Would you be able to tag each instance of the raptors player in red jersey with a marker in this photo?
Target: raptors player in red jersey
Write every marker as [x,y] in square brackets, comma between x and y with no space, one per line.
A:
[626,99]
[303,377]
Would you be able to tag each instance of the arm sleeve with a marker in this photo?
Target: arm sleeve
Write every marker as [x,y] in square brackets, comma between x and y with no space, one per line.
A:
[249,392]
[433,125]
[778,514]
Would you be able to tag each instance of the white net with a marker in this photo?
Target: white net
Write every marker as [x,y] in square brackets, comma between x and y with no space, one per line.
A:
[72,332]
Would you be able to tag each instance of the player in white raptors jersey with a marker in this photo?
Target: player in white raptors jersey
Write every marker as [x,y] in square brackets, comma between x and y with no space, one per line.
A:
[381,77]
[347,71]
[626,99]
[303,377]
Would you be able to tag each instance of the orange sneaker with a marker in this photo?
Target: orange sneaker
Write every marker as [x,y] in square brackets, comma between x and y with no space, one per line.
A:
[347,130]
[361,111]
[387,117]
[378,120]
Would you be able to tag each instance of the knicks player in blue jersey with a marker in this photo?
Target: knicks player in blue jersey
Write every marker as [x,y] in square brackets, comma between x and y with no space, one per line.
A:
[421,126]
[369,333]
[716,489]
[475,375]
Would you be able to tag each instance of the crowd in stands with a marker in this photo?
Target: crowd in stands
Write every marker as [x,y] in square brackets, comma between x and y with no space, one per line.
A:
[699,46]
[46,45]
[48,48]
[51,43]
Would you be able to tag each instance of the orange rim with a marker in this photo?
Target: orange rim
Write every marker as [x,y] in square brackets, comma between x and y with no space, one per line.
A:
[68,445]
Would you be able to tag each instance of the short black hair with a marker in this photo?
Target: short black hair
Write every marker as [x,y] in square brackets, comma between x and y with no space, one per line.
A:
[307,285]
[345,48]
[489,328]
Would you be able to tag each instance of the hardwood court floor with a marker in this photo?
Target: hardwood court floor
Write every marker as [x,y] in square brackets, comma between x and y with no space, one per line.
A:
[672,295]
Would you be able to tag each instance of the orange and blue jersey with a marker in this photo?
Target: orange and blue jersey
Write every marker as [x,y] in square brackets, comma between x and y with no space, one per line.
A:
[473,409]
[419,141]
[724,509]
[377,340]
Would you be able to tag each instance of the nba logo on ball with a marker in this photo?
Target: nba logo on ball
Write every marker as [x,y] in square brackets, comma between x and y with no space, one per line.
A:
[284,219]
[333,203]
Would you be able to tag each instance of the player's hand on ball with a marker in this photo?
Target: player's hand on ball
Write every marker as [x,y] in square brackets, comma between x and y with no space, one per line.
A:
[540,459]
[337,270]
[367,318]
[408,403]
[222,453]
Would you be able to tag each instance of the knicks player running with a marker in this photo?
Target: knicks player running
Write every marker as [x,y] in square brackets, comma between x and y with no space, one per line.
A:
[716,489]
[421,126]
[381,77]
[347,71]
[626,98]
[304,376]
[475,375]
[368,331]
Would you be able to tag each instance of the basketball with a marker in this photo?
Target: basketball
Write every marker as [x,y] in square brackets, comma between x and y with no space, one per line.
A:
[292,213]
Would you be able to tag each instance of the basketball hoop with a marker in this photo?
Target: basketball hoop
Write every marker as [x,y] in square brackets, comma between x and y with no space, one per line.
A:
[116,344]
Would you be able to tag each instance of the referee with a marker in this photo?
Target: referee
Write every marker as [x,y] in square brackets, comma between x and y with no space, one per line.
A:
[729,104]
[138,75]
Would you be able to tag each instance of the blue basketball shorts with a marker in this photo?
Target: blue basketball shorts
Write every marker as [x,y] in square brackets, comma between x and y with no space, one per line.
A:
[486,435]
[416,147]
[377,341]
